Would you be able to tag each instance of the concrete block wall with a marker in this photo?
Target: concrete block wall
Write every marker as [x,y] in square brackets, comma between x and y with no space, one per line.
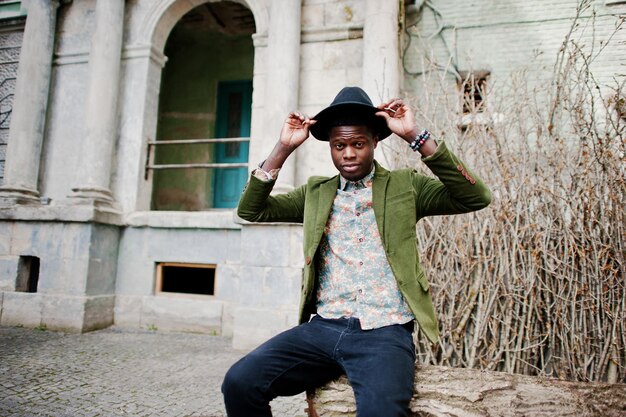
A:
[75,290]
[257,280]
[139,305]
[267,293]
[8,272]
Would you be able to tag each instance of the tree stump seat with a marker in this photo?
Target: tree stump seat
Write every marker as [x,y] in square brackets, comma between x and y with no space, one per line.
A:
[446,392]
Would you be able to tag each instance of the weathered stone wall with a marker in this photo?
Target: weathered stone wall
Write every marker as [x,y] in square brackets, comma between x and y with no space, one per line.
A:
[257,281]
[331,58]
[76,288]
[149,242]
[267,292]
[509,36]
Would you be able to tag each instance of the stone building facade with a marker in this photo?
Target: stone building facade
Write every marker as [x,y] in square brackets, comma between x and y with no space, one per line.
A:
[118,184]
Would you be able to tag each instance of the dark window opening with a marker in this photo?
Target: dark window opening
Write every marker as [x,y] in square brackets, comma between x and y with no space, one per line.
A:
[186,278]
[27,274]
[473,86]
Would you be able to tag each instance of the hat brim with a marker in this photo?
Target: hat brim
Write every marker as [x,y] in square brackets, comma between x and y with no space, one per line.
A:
[348,114]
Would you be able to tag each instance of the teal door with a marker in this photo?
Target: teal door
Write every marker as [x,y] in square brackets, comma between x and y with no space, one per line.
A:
[234,105]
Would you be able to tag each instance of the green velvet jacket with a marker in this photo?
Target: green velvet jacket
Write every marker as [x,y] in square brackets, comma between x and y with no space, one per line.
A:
[400,199]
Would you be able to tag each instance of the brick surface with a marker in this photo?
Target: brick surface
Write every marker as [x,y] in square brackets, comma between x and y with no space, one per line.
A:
[509,36]
[116,372]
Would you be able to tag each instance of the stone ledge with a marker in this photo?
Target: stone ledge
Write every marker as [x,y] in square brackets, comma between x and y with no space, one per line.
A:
[444,392]
[212,219]
[77,214]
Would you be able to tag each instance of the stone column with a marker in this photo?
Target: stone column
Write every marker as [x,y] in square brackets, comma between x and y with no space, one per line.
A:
[94,173]
[283,79]
[30,106]
[381,53]
[381,56]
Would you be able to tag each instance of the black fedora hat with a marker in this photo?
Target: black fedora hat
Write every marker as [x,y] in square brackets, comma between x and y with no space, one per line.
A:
[351,107]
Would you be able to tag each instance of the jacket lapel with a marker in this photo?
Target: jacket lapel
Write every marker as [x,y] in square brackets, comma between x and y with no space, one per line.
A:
[379,193]
[327,192]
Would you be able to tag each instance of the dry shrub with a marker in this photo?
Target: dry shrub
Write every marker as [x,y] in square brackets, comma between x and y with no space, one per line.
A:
[533,284]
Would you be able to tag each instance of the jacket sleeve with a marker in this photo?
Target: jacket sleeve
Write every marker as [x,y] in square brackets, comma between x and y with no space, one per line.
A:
[256,204]
[457,189]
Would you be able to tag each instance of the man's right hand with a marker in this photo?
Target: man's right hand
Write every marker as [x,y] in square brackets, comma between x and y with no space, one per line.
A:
[293,134]
[295,130]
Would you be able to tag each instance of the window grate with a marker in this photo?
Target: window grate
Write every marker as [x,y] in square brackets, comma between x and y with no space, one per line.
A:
[473,86]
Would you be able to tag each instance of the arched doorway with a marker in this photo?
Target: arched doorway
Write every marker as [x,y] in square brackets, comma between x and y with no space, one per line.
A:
[205,94]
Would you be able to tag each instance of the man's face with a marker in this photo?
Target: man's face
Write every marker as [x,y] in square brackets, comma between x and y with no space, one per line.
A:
[352,150]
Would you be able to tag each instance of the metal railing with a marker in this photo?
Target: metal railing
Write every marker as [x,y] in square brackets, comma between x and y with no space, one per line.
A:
[204,165]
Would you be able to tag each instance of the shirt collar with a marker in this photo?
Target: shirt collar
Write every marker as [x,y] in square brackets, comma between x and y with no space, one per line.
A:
[367,180]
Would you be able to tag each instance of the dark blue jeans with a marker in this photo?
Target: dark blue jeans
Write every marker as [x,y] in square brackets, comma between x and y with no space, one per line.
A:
[379,364]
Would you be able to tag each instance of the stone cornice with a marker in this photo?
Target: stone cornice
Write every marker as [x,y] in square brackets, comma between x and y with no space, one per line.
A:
[69,58]
[144,51]
[129,52]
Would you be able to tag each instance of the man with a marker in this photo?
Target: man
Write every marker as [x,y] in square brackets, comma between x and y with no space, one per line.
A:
[363,284]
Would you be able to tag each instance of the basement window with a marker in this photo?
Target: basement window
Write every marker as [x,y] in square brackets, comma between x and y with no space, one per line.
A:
[619,104]
[473,86]
[27,274]
[183,278]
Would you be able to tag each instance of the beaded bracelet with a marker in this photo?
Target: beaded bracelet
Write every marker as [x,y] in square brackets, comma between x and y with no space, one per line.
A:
[420,140]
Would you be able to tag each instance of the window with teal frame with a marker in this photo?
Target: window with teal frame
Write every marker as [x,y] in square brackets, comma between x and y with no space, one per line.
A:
[11,9]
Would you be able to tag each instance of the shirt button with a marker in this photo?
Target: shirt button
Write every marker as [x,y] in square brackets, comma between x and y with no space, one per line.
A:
[360,291]
[358,214]
[361,263]
[360,239]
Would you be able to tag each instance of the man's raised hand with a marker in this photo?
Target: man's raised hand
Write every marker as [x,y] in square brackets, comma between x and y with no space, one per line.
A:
[399,118]
[295,130]
[293,134]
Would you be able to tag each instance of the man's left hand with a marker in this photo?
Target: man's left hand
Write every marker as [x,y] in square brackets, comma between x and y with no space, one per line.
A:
[399,118]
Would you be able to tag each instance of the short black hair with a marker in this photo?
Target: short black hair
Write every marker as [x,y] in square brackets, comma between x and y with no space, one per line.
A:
[354,121]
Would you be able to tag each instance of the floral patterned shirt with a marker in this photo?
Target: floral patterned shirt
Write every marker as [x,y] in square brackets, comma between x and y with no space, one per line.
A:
[355,279]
